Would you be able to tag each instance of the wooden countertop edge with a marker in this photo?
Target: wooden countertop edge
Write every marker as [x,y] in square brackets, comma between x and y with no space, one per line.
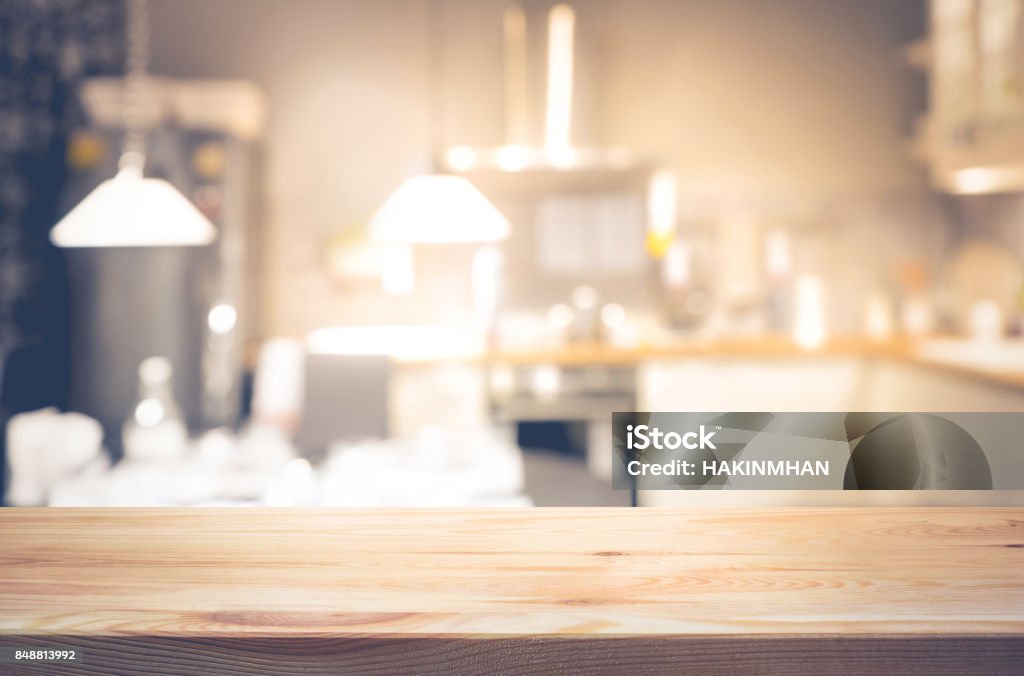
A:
[597,355]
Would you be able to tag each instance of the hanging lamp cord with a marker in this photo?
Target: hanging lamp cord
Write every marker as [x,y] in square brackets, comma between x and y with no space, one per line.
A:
[133,150]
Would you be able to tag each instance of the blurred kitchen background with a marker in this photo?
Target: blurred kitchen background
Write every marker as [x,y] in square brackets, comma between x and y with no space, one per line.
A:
[415,252]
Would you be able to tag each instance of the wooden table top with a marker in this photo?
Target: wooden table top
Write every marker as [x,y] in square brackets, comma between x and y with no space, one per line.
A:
[594,571]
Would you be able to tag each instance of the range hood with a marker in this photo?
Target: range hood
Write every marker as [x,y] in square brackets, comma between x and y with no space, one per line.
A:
[540,156]
[540,137]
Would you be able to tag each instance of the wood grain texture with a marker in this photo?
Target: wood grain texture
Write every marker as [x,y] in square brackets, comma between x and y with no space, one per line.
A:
[315,589]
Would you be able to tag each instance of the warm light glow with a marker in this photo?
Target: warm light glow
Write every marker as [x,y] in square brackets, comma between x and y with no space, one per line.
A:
[613,315]
[512,158]
[994,179]
[810,312]
[677,269]
[584,297]
[461,158]
[438,209]
[221,318]
[560,316]
[661,213]
[561,158]
[129,210]
[972,181]
[561,23]
[547,381]
[149,412]
[778,259]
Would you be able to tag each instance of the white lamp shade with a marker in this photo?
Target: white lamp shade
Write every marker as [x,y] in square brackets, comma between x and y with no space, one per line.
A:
[438,209]
[130,210]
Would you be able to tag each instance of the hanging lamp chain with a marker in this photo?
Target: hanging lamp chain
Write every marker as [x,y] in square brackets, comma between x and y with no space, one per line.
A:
[133,152]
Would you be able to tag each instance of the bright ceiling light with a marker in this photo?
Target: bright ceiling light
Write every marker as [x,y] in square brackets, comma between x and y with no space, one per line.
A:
[438,209]
[130,210]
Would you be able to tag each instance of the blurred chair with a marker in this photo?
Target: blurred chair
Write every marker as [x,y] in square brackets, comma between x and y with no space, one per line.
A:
[345,397]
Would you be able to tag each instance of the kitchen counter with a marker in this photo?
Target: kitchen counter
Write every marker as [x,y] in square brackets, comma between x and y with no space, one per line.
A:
[1000,365]
[385,591]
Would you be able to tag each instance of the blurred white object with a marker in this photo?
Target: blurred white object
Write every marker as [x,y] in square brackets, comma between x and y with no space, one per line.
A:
[613,316]
[156,430]
[296,487]
[435,468]
[878,317]
[513,158]
[677,269]
[809,331]
[559,317]
[222,469]
[264,447]
[583,298]
[45,446]
[217,448]
[778,254]
[461,158]
[547,381]
[616,330]
[986,321]
[918,318]
[662,203]
[279,383]
[558,115]
[398,270]
[488,262]
[140,484]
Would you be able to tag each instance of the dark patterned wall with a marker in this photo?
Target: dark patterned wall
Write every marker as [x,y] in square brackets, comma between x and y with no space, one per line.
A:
[46,48]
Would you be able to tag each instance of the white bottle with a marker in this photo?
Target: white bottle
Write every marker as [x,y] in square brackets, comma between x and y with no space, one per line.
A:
[155,430]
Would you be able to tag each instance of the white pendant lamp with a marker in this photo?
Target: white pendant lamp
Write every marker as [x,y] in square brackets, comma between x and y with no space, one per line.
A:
[438,209]
[130,210]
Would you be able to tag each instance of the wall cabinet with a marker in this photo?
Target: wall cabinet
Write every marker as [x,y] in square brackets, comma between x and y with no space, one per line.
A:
[973,135]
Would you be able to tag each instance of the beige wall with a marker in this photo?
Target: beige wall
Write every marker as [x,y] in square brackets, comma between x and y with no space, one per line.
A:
[757,103]
[762,100]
